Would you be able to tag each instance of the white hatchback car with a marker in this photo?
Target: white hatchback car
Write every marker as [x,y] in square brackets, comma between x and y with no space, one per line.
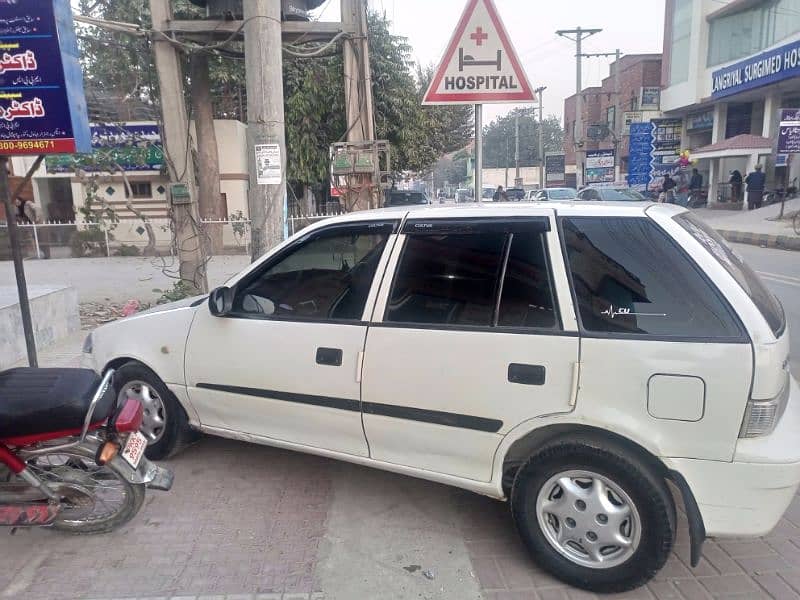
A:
[570,358]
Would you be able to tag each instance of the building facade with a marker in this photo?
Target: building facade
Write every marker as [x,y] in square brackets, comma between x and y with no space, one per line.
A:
[607,115]
[727,70]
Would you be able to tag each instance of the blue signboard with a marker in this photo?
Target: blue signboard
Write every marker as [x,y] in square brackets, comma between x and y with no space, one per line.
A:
[762,69]
[42,104]
[640,154]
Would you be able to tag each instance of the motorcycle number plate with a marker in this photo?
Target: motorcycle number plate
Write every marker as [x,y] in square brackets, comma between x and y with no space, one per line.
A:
[134,449]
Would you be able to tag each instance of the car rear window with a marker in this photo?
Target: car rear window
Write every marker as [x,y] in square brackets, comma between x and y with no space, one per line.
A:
[562,194]
[765,301]
[630,277]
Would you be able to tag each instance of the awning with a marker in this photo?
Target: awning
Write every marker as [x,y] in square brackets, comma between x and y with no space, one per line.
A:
[740,145]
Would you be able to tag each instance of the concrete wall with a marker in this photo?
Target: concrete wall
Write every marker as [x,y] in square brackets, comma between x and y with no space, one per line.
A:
[55,316]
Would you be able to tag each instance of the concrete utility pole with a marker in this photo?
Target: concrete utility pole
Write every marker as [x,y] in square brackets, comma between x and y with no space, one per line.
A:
[479,152]
[358,89]
[577,136]
[616,131]
[263,60]
[186,217]
[539,92]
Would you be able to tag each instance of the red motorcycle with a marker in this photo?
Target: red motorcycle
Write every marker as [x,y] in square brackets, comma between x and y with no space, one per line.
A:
[69,456]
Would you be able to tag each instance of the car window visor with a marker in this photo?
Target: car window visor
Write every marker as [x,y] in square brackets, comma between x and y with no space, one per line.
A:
[478,226]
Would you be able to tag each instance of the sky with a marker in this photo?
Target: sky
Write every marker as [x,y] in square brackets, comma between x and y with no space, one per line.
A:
[633,26]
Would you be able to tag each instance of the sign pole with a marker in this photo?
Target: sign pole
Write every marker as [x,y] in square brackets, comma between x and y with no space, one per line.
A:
[478,152]
[19,268]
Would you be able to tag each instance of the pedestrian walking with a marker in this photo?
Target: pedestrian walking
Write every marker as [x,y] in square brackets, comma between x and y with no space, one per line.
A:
[736,186]
[695,188]
[755,188]
[500,195]
[668,188]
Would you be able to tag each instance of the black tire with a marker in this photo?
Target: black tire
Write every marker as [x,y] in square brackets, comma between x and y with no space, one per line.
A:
[647,491]
[177,433]
[83,478]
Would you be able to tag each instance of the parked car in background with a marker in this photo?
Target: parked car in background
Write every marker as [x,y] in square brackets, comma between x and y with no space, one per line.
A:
[405,198]
[556,194]
[611,194]
[611,350]
[464,195]
[515,194]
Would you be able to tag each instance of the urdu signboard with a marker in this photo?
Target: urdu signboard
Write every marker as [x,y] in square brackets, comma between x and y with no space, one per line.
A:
[42,104]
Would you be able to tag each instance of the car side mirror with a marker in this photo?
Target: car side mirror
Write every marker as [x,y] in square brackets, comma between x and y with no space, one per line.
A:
[220,301]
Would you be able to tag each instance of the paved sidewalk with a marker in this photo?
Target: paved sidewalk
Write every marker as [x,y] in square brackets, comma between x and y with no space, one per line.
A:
[757,227]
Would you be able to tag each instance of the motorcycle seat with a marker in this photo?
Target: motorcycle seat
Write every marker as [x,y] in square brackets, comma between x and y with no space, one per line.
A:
[39,401]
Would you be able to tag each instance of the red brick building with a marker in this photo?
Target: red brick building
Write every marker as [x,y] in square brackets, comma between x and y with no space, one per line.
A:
[600,103]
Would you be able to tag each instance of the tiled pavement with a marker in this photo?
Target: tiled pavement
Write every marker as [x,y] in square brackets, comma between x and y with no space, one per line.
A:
[246,522]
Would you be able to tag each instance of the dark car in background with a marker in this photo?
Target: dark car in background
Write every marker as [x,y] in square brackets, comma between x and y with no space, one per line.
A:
[515,194]
[405,198]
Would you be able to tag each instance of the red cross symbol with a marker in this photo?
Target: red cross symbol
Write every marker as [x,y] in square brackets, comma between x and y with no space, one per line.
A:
[479,36]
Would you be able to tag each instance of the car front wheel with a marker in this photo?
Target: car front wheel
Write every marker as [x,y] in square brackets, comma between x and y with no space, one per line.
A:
[164,424]
[594,516]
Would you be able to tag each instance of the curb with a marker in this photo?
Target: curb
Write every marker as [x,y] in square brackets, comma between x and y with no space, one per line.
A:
[765,240]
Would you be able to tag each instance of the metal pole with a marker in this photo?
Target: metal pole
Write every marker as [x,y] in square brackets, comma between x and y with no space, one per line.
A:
[19,268]
[542,185]
[617,94]
[478,152]
[578,135]
[36,241]
[506,162]
[516,148]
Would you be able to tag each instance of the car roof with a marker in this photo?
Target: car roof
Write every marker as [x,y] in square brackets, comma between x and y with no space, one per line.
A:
[505,209]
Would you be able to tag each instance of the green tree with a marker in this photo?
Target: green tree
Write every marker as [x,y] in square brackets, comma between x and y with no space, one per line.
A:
[499,138]
[120,66]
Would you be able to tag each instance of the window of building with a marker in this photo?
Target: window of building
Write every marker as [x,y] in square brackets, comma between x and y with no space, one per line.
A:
[631,278]
[739,120]
[751,30]
[141,189]
[681,39]
[326,278]
[455,280]
[610,117]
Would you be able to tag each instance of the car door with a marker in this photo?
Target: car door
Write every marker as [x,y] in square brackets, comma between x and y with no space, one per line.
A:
[284,363]
[467,341]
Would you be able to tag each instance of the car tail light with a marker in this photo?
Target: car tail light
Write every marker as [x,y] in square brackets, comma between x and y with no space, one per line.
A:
[762,416]
[130,417]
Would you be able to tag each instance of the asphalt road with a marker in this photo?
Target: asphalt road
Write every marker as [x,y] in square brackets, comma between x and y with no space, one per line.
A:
[780,270]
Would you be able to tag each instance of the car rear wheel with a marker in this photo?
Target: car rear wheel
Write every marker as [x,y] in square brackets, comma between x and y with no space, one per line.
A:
[165,423]
[593,515]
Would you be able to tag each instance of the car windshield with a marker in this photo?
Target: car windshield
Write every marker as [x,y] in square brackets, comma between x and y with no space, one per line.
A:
[764,300]
[561,194]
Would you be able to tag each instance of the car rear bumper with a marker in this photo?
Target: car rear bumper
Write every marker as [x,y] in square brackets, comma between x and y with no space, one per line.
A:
[748,496]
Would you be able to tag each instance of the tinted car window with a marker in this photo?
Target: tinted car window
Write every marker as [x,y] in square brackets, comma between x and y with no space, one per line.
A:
[328,277]
[630,277]
[766,302]
[447,279]
[612,195]
[399,198]
[527,296]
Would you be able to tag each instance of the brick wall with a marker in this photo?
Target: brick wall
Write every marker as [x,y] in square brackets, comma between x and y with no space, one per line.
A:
[636,71]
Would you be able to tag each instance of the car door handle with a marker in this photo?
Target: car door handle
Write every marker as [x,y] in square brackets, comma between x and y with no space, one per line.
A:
[331,357]
[526,374]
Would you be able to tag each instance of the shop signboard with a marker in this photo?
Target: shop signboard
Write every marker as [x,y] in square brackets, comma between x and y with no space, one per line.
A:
[599,166]
[630,117]
[789,135]
[650,98]
[555,169]
[42,103]
[756,71]
[640,155]
[700,121]
[132,146]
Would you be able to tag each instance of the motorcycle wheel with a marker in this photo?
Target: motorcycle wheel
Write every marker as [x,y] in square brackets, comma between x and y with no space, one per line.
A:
[95,499]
